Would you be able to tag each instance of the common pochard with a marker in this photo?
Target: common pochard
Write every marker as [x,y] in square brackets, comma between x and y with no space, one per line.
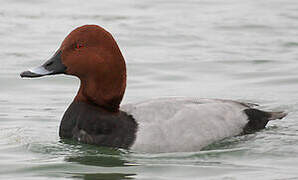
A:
[159,125]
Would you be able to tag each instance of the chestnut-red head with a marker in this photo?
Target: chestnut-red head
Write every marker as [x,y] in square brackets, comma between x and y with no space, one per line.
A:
[90,53]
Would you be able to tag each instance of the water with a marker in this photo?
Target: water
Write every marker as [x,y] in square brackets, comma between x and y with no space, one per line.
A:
[233,49]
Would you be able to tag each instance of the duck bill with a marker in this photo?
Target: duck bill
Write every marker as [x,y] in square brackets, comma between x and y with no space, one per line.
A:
[52,66]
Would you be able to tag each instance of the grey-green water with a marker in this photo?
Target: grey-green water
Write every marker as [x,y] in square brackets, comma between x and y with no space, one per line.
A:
[233,49]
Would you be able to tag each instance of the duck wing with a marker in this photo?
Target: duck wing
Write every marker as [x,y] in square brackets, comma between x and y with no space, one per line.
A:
[189,124]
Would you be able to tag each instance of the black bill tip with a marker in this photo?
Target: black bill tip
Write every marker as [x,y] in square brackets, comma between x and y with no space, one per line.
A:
[29,74]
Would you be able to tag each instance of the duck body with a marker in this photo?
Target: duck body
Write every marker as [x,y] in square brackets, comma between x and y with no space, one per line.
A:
[184,124]
[161,125]
[91,54]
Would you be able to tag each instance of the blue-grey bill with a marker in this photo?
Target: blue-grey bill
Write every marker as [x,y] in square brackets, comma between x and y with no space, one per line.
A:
[36,72]
[53,66]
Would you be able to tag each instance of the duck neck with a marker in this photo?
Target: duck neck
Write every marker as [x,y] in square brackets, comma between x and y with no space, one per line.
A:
[103,94]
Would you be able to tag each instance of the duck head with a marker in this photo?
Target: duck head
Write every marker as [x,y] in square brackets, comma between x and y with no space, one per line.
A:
[90,53]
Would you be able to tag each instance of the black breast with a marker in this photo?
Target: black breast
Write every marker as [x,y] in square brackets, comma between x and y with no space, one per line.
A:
[89,124]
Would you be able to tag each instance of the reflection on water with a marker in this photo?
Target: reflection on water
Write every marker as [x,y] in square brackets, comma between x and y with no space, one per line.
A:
[93,155]
[104,176]
[104,161]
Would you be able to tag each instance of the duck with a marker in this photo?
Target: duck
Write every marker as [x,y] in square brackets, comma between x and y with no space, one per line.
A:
[158,125]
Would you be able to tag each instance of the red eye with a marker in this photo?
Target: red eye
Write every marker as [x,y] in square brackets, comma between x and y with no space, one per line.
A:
[78,46]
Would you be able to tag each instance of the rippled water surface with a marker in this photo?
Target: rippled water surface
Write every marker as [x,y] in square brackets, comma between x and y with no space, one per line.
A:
[233,49]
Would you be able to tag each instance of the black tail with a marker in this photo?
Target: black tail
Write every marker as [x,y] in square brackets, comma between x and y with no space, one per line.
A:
[258,119]
[276,115]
